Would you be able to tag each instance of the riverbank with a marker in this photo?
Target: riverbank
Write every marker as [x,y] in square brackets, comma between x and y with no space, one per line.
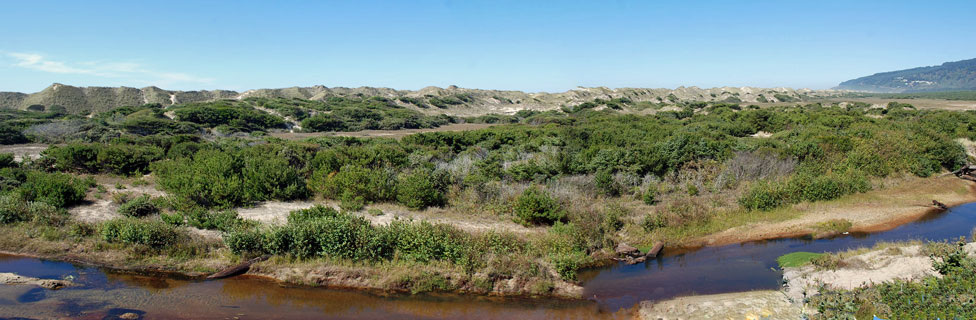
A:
[209,257]
[897,202]
[207,254]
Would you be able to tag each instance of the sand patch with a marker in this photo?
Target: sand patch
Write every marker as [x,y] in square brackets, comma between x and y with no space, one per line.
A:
[276,212]
[873,267]
[766,304]
[16,279]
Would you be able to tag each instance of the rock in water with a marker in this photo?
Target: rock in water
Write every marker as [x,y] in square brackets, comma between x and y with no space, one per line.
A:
[627,250]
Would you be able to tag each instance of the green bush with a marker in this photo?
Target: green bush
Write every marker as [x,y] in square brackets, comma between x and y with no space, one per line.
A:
[565,248]
[109,158]
[13,209]
[650,196]
[315,212]
[606,184]
[57,189]
[420,190]
[764,195]
[139,207]
[653,221]
[152,233]
[612,218]
[424,242]
[245,241]
[351,202]
[352,182]
[214,178]
[7,160]
[534,206]
[223,220]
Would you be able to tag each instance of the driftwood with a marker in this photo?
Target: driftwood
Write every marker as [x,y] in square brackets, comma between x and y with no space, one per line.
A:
[630,255]
[967,172]
[940,205]
[238,269]
[651,254]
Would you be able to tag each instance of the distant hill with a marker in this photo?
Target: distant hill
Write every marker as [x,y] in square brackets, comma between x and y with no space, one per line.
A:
[950,76]
[430,100]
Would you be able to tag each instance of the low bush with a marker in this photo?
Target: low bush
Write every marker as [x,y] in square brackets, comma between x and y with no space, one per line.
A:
[763,195]
[653,221]
[565,249]
[322,231]
[534,206]
[419,190]
[315,212]
[649,196]
[57,189]
[138,207]
[152,233]
[7,160]
[15,209]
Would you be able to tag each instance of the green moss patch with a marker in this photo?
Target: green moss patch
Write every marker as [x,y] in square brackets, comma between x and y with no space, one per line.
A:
[796,259]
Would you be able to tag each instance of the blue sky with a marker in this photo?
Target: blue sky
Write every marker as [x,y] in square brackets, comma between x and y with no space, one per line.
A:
[517,45]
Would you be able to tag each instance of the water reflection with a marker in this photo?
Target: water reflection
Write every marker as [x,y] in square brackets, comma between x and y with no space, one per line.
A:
[750,265]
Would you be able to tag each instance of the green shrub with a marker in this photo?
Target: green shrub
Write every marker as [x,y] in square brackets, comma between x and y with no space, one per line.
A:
[215,178]
[424,241]
[109,158]
[10,135]
[419,190]
[606,184]
[653,221]
[57,189]
[534,206]
[7,160]
[139,207]
[650,196]
[315,212]
[565,248]
[351,202]
[245,241]
[13,209]
[612,216]
[152,233]
[223,220]
[764,195]
[354,184]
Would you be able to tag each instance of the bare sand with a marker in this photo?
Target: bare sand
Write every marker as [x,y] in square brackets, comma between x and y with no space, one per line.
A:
[16,279]
[381,133]
[765,304]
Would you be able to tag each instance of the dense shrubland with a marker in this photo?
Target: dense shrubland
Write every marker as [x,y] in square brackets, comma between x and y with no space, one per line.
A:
[577,173]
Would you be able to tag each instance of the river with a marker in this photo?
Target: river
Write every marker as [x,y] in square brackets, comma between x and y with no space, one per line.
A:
[611,292]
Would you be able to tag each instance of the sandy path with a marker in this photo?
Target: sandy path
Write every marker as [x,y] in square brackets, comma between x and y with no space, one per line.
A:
[878,210]
[24,151]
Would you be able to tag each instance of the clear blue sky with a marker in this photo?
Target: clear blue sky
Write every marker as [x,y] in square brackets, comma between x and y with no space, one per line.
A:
[519,45]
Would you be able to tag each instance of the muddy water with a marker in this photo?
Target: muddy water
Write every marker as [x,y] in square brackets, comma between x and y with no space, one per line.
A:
[108,295]
[612,290]
[750,265]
